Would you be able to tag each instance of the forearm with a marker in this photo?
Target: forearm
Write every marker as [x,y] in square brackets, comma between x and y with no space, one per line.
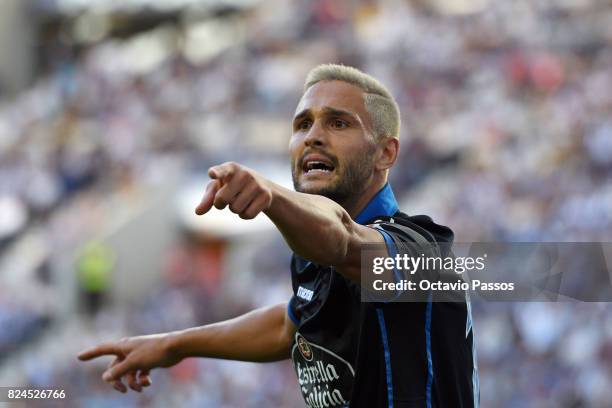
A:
[314,227]
[261,335]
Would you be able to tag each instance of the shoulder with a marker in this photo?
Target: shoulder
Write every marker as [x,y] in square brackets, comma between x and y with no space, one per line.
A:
[433,232]
[416,228]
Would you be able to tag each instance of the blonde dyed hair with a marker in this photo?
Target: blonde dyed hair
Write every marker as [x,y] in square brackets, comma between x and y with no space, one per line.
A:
[378,101]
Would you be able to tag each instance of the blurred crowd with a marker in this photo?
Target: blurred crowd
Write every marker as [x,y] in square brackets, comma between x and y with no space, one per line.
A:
[506,136]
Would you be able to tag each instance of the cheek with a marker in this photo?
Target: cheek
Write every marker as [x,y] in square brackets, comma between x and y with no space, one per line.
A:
[293,143]
[294,149]
[353,150]
[358,155]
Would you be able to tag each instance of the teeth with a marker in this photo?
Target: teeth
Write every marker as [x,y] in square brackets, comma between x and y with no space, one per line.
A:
[317,166]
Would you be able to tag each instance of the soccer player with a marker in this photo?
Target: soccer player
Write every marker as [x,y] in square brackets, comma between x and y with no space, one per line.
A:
[346,352]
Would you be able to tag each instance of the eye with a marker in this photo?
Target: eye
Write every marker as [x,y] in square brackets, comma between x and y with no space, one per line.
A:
[304,125]
[339,124]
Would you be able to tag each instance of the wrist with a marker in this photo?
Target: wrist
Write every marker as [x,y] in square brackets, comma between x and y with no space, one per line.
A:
[275,192]
[174,345]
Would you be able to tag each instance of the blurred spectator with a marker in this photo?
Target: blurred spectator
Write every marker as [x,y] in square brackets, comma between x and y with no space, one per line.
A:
[94,268]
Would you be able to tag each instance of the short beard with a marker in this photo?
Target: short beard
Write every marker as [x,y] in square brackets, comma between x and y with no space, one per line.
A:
[351,182]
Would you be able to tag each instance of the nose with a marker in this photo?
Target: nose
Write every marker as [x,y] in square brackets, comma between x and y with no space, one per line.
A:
[315,135]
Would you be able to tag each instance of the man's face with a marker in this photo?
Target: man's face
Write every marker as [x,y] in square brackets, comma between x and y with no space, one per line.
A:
[332,148]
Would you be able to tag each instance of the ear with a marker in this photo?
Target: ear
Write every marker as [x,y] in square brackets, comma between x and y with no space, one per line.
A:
[389,150]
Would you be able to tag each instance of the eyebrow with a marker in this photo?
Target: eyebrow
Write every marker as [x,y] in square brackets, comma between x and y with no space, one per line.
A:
[329,111]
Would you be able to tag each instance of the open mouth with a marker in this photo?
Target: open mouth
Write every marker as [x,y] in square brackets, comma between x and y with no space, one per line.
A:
[317,166]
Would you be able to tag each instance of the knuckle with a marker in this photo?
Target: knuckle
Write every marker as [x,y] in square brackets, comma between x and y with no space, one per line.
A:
[247,181]
[247,215]
[219,203]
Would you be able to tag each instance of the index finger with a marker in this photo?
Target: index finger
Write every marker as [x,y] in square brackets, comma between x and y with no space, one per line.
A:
[103,349]
[222,172]
[209,197]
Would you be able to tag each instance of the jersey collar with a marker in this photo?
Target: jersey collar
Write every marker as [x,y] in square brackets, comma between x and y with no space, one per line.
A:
[382,204]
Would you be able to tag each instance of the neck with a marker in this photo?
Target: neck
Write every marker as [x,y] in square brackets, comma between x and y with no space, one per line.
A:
[356,204]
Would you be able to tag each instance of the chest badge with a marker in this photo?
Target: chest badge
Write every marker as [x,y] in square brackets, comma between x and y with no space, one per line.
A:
[304,348]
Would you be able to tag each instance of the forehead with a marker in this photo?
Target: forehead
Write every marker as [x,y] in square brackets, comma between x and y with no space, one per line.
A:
[333,94]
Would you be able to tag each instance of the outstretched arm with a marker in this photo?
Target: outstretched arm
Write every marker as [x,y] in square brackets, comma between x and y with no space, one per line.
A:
[315,227]
[261,335]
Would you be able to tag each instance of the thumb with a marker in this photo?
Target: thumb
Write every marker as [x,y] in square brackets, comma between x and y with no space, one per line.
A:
[209,197]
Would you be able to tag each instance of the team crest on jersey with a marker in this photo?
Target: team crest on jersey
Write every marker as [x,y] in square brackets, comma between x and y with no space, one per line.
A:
[325,378]
[304,347]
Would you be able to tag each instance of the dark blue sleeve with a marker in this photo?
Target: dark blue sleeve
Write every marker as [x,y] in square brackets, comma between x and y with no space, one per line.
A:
[293,312]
